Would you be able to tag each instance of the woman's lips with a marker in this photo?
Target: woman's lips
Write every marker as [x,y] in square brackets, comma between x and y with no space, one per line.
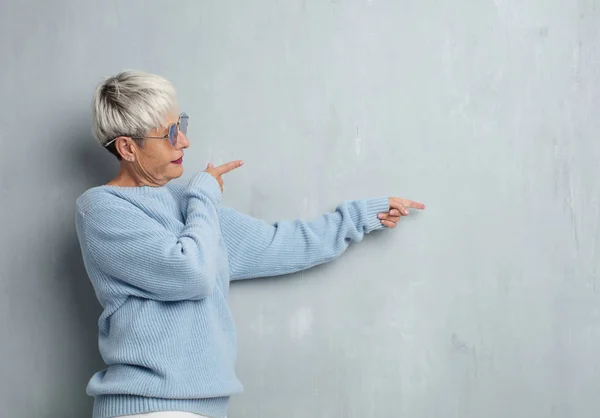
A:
[178,161]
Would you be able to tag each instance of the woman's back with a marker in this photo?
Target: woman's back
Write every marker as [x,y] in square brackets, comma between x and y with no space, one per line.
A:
[160,340]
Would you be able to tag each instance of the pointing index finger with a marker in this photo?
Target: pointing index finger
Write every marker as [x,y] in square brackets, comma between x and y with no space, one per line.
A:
[227,167]
[412,204]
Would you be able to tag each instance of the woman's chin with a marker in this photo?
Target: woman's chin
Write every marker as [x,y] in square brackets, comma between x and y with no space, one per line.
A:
[176,171]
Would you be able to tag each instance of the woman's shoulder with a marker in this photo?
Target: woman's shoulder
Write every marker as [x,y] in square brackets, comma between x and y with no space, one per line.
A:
[108,198]
[105,197]
[91,197]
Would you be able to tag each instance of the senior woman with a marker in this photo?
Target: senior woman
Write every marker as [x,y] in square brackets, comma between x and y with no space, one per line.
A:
[160,257]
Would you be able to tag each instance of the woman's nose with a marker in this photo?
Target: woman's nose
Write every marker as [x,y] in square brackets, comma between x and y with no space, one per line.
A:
[182,141]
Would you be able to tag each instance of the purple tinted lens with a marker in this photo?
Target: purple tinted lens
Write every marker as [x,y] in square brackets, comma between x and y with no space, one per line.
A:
[173,134]
[183,123]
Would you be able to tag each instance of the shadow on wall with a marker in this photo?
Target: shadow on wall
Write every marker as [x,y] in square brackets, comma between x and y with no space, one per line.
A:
[89,160]
[84,165]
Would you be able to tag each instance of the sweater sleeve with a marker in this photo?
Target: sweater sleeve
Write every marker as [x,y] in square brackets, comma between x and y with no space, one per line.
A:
[136,250]
[259,249]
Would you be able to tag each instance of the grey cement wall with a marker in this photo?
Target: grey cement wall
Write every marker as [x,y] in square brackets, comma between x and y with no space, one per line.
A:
[485,305]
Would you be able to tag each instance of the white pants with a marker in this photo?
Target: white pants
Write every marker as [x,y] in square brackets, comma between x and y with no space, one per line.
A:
[165,414]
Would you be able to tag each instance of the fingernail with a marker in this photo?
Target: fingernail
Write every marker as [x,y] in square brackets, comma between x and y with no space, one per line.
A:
[406,212]
[380,216]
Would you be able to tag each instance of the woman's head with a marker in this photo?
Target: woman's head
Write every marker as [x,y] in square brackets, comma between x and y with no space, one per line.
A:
[135,116]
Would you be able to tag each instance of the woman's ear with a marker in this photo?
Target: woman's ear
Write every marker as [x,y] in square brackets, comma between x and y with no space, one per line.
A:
[125,148]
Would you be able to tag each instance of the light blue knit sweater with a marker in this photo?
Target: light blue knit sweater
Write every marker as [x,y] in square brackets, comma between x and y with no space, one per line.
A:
[160,260]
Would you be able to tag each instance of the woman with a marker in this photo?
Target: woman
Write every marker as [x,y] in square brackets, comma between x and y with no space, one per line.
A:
[161,256]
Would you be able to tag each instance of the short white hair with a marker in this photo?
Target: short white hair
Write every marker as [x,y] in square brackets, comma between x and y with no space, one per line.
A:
[131,103]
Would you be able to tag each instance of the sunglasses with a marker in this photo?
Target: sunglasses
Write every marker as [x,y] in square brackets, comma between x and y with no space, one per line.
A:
[174,129]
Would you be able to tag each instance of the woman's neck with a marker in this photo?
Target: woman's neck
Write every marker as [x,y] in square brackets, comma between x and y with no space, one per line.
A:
[126,177]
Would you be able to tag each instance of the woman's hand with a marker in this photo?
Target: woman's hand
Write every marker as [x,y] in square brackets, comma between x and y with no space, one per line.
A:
[398,208]
[217,172]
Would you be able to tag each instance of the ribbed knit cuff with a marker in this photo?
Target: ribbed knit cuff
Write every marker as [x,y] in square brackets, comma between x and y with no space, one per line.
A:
[110,406]
[374,208]
[207,185]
